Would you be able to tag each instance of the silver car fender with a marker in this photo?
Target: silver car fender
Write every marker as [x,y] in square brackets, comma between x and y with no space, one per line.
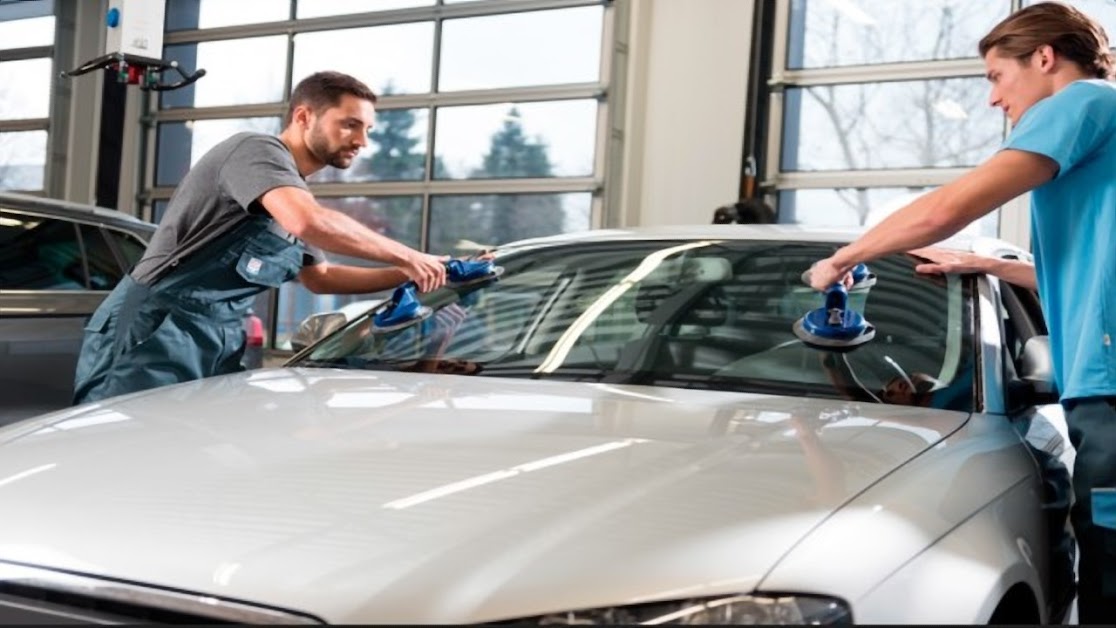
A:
[973,567]
[963,518]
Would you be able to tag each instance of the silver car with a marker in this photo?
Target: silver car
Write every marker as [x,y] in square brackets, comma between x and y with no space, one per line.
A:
[58,261]
[621,428]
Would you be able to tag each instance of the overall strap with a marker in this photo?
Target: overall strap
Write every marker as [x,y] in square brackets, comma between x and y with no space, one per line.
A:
[240,232]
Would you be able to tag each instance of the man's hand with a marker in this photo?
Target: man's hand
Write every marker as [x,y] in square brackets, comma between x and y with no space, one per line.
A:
[943,261]
[827,272]
[427,271]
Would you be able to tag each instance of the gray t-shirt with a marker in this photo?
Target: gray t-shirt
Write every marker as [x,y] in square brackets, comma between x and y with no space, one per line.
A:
[223,188]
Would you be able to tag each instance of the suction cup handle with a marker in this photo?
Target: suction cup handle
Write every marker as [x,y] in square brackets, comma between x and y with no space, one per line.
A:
[836,300]
[403,305]
[465,270]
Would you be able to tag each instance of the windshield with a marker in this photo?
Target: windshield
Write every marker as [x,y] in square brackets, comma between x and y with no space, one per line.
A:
[689,314]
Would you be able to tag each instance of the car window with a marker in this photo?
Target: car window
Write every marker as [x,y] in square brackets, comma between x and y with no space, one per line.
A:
[129,247]
[712,315]
[1022,319]
[104,266]
[39,253]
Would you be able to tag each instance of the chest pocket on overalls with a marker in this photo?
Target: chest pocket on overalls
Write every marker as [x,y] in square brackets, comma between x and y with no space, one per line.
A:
[269,260]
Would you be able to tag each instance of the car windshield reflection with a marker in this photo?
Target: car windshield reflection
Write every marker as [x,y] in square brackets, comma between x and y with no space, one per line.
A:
[713,315]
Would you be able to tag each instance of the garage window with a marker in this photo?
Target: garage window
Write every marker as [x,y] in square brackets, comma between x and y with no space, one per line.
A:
[874,102]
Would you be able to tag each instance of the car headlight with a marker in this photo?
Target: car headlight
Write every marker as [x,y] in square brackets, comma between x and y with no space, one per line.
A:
[770,609]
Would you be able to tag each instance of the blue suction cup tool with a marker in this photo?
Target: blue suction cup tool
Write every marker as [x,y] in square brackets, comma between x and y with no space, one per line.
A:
[462,272]
[862,278]
[834,327]
[404,310]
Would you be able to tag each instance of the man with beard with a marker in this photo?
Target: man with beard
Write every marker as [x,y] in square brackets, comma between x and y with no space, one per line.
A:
[240,222]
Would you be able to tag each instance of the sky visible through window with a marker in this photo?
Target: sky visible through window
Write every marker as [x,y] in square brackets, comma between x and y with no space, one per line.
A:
[853,32]
[856,32]
[35,31]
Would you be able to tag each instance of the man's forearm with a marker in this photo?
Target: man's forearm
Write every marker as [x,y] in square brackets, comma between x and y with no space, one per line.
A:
[338,279]
[1014,272]
[914,226]
[334,231]
[945,211]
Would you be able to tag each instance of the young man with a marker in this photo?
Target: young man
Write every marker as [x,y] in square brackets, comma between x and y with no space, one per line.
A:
[236,226]
[1047,64]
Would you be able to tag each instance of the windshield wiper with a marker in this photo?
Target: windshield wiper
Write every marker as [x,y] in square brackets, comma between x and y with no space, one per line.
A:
[562,374]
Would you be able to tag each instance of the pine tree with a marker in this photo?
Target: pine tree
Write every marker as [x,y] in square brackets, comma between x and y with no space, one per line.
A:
[511,154]
[504,218]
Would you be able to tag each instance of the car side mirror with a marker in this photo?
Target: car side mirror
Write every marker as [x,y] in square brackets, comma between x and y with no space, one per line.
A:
[315,327]
[1036,372]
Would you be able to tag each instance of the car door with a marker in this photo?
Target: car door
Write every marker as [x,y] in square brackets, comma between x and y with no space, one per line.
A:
[54,273]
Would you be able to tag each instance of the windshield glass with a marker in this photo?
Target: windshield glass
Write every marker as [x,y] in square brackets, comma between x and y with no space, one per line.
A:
[689,314]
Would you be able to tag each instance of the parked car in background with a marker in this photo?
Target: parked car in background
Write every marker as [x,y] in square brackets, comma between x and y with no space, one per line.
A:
[58,261]
[255,339]
[621,429]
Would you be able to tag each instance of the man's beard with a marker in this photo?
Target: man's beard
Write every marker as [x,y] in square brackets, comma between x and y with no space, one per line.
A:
[319,147]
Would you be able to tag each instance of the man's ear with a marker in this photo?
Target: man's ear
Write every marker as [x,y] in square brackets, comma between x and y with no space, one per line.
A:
[1046,57]
[302,116]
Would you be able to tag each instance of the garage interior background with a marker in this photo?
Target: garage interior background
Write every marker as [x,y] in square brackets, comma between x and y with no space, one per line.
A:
[503,119]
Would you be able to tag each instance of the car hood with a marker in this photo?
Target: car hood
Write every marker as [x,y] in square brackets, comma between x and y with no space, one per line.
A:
[391,497]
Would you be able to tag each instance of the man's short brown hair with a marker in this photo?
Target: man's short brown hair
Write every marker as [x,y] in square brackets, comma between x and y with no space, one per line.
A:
[323,90]
[1071,34]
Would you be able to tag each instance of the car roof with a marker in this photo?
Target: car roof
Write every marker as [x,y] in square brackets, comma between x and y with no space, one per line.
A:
[75,211]
[976,244]
[800,233]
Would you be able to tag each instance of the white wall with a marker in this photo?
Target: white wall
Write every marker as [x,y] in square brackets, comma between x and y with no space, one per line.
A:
[686,92]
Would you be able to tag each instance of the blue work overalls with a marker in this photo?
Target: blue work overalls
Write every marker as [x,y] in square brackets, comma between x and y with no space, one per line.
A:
[189,323]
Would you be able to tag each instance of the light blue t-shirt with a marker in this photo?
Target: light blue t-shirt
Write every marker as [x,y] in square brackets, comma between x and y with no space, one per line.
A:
[1073,221]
